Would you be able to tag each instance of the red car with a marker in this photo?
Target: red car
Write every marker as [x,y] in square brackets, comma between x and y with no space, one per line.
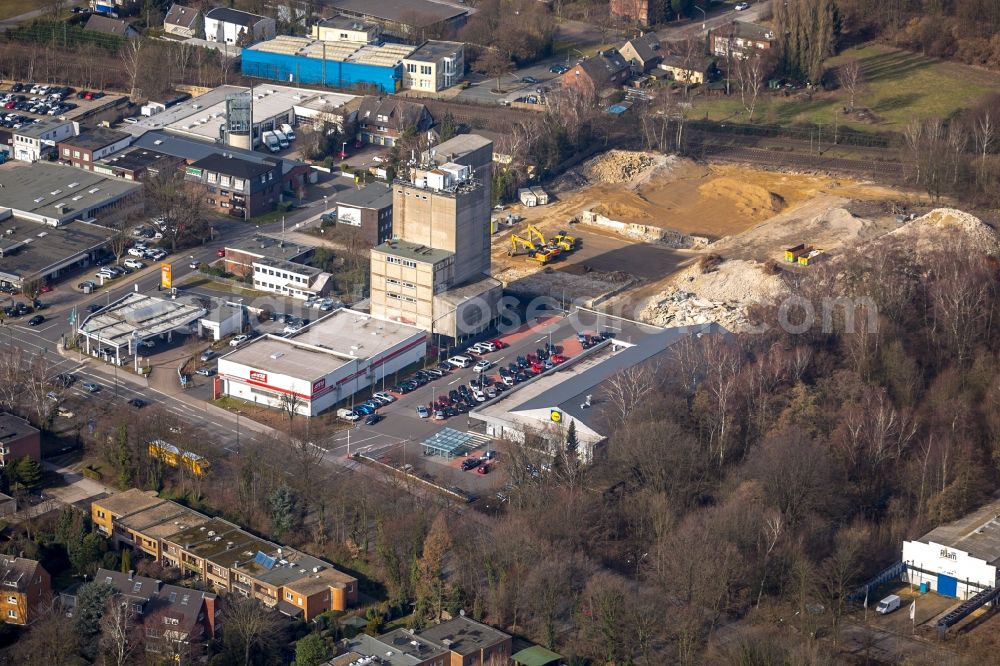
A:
[221,252]
[46,288]
[483,469]
[557,359]
[498,343]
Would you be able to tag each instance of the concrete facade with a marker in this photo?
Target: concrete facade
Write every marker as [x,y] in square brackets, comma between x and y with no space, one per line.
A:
[434,66]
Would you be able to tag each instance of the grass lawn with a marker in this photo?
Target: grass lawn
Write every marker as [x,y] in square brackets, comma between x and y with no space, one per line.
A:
[900,85]
[9,8]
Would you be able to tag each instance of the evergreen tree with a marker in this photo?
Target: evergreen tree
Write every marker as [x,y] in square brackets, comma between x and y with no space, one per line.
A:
[28,472]
[572,443]
[91,600]
[448,126]
[282,505]
[311,650]
[126,560]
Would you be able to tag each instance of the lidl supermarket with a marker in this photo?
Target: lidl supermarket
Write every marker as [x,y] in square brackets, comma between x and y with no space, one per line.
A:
[322,364]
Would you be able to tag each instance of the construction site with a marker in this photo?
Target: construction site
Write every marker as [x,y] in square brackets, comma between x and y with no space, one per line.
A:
[673,242]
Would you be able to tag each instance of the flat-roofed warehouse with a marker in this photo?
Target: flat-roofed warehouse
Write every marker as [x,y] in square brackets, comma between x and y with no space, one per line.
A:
[31,251]
[55,194]
[335,64]
[960,558]
[323,364]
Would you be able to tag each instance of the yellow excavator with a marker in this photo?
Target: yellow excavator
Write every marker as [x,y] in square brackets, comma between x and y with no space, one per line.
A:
[535,244]
[564,241]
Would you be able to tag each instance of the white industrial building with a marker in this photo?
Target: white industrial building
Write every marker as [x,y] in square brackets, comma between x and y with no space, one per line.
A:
[322,364]
[960,558]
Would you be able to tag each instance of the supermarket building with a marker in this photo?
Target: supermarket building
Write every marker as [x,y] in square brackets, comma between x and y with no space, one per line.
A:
[321,365]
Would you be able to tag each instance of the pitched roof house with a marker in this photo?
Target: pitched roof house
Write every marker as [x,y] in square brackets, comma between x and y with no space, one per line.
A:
[642,53]
[110,26]
[26,586]
[608,69]
[382,120]
[183,21]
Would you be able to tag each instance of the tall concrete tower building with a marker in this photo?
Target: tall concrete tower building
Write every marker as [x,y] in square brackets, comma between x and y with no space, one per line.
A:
[435,272]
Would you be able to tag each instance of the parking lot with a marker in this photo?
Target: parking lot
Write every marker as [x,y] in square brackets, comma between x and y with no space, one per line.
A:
[26,103]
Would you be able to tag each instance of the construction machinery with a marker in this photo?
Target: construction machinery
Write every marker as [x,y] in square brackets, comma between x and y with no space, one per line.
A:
[536,246]
[564,241]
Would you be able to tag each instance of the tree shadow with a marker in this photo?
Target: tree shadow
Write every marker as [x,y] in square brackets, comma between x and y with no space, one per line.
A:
[896,102]
[894,65]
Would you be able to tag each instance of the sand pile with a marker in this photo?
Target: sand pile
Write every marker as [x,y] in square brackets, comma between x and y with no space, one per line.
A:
[722,295]
[622,166]
[749,199]
[941,224]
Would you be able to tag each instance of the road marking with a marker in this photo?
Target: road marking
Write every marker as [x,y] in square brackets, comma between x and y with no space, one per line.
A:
[457,379]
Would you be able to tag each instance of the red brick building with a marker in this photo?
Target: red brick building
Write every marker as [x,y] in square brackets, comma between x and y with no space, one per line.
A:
[608,69]
[639,11]
[237,186]
[18,439]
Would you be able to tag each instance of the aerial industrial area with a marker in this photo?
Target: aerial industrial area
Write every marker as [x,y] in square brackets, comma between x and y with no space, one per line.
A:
[433,332]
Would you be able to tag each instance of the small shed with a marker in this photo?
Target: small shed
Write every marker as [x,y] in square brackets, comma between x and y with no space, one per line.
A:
[536,655]
[541,195]
[527,197]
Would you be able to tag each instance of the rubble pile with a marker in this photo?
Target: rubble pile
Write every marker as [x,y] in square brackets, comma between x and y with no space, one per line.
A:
[926,233]
[722,295]
[622,166]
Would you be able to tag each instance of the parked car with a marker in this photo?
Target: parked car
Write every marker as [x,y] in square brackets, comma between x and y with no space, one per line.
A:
[529,79]
[53,396]
[138,403]
[422,412]
[373,419]
[483,366]
[238,340]
[484,468]
[36,320]
[207,355]
[205,372]
[460,361]
[134,264]
[742,5]
[92,387]
[470,463]
[558,69]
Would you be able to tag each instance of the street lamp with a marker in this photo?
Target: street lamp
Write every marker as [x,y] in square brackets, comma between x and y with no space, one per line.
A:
[326,204]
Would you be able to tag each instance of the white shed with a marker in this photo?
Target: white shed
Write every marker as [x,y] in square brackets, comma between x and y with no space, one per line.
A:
[541,195]
[960,558]
[527,197]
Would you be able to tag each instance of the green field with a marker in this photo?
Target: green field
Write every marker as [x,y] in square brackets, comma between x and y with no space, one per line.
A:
[900,85]
[9,8]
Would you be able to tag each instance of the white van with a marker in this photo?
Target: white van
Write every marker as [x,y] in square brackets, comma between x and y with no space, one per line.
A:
[287,130]
[347,414]
[282,139]
[887,605]
[460,361]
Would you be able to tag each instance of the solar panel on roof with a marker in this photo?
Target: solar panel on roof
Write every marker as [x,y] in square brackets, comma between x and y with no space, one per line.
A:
[264,560]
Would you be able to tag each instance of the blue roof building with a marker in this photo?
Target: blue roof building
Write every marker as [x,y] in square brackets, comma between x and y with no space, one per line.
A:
[298,60]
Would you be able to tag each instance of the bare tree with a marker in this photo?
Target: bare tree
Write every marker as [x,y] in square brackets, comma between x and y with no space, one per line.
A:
[252,626]
[750,73]
[121,635]
[627,388]
[132,62]
[852,78]
[983,130]
[495,65]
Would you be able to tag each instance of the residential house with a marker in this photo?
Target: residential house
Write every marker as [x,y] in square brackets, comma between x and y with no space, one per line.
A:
[230,26]
[33,141]
[637,11]
[434,66]
[172,617]
[741,38]
[136,164]
[382,120]
[342,28]
[694,70]
[18,439]
[591,77]
[25,587]
[237,186]
[396,648]
[224,556]
[87,147]
[277,267]
[110,26]
[642,53]
[184,22]
[369,208]
[470,643]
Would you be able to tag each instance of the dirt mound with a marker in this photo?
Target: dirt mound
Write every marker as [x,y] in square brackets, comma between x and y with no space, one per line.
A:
[749,199]
[621,210]
[721,295]
[927,232]
[622,166]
